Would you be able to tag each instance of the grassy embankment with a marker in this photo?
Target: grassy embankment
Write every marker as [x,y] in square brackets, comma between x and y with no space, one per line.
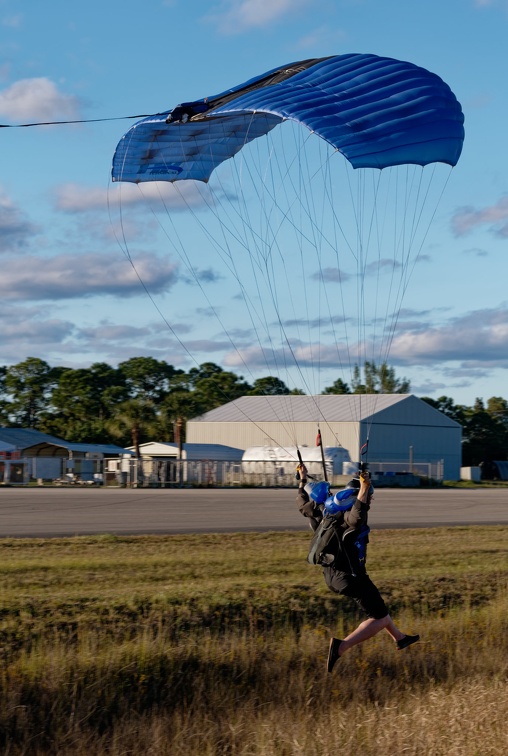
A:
[207,645]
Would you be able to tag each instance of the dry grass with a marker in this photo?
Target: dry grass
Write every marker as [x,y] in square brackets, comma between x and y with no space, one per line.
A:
[216,645]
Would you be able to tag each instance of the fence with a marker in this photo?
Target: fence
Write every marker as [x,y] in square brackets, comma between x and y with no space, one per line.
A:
[209,473]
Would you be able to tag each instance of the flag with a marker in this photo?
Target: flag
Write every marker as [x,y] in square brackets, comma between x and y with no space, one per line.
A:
[364,448]
[318,438]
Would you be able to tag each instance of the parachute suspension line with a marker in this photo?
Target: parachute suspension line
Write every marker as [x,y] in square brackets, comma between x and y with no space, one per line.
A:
[260,264]
[307,205]
[271,182]
[322,273]
[261,305]
[182,254]
[288,215]
[337,226]
[180,342]
[269,276]
[300,190]
[125,249]
[416,257]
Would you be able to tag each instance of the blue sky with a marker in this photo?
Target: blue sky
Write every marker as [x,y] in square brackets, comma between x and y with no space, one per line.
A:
[70,296]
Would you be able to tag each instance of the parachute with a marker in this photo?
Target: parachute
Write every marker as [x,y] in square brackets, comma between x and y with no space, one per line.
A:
[311,189]
[377,112]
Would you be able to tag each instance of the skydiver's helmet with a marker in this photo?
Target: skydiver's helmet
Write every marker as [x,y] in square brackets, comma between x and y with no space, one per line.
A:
[318,491]
[342,501]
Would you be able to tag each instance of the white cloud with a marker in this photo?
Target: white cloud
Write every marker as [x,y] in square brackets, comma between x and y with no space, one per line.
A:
[37,100]
[237,16]
[70,276]
[75,198]
[495,217]
[477,339]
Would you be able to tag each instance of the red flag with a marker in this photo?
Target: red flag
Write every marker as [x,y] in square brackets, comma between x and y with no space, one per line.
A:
[318,439]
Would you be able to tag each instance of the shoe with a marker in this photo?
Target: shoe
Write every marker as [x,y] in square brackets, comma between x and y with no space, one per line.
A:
[333,654]
[406,641]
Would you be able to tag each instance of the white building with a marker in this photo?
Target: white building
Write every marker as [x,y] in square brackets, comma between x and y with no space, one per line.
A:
[161,464]
[403,433]
[258,459]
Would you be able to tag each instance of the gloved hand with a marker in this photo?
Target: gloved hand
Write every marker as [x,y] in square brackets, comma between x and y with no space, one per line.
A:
[301,473]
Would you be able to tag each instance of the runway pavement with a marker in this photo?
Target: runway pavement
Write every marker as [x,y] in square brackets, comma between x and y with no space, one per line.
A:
[51,512]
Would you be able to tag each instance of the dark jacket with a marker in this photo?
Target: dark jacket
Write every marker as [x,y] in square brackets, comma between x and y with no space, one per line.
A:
[336,541]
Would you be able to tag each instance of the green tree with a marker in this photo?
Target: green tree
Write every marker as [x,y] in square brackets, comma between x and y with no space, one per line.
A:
[132,421]
[4,403]
[179,406]
[378,380]
[82,402]
[337,387]
[147,377]
[214,386]
[29,385]
[485,436]
[269,386]
[497,407]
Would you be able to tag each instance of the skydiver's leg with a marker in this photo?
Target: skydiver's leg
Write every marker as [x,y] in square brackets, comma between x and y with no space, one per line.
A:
[367,596]
[367,629]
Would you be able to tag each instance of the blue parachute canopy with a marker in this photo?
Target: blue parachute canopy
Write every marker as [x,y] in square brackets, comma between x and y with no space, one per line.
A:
[377,112]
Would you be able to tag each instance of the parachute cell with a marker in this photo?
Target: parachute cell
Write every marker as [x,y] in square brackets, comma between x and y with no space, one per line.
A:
[377,112]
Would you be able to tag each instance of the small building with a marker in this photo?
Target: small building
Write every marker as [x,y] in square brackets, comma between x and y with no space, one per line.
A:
[200,464]
[395,433]
[46,457]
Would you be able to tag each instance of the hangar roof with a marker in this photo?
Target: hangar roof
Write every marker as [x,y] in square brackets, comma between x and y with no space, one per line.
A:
[352,408]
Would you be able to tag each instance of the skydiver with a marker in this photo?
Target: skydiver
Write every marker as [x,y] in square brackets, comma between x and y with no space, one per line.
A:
[348,576]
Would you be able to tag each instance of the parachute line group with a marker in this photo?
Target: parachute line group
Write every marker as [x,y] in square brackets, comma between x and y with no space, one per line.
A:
[312,199]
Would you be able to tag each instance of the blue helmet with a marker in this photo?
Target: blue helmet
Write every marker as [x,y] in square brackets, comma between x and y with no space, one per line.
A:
[341,502]
[318,491]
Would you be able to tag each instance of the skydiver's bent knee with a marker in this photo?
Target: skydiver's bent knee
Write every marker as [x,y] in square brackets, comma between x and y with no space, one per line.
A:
[358,587]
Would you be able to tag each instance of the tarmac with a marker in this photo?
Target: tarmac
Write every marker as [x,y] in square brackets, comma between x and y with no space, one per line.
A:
[51,512]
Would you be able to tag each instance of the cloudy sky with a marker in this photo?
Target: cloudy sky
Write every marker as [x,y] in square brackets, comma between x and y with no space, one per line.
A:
[88,273]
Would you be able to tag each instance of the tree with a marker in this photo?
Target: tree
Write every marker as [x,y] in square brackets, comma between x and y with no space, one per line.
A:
[179,405]
[29,384]
[214,386]
[132,420]
[337,387]
[497,407]
[82,402]
[485,436]
[269,386]
[147,377]
[378,380]
[4,403]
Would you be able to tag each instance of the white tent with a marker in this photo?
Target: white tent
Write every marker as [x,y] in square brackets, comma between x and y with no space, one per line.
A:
[258,459]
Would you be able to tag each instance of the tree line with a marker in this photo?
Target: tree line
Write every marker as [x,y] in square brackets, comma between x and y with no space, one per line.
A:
[144,398]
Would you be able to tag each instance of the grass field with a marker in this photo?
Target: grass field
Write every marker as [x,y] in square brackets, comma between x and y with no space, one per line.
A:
[216,644]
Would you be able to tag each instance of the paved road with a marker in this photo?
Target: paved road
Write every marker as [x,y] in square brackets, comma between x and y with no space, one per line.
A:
[50,512]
